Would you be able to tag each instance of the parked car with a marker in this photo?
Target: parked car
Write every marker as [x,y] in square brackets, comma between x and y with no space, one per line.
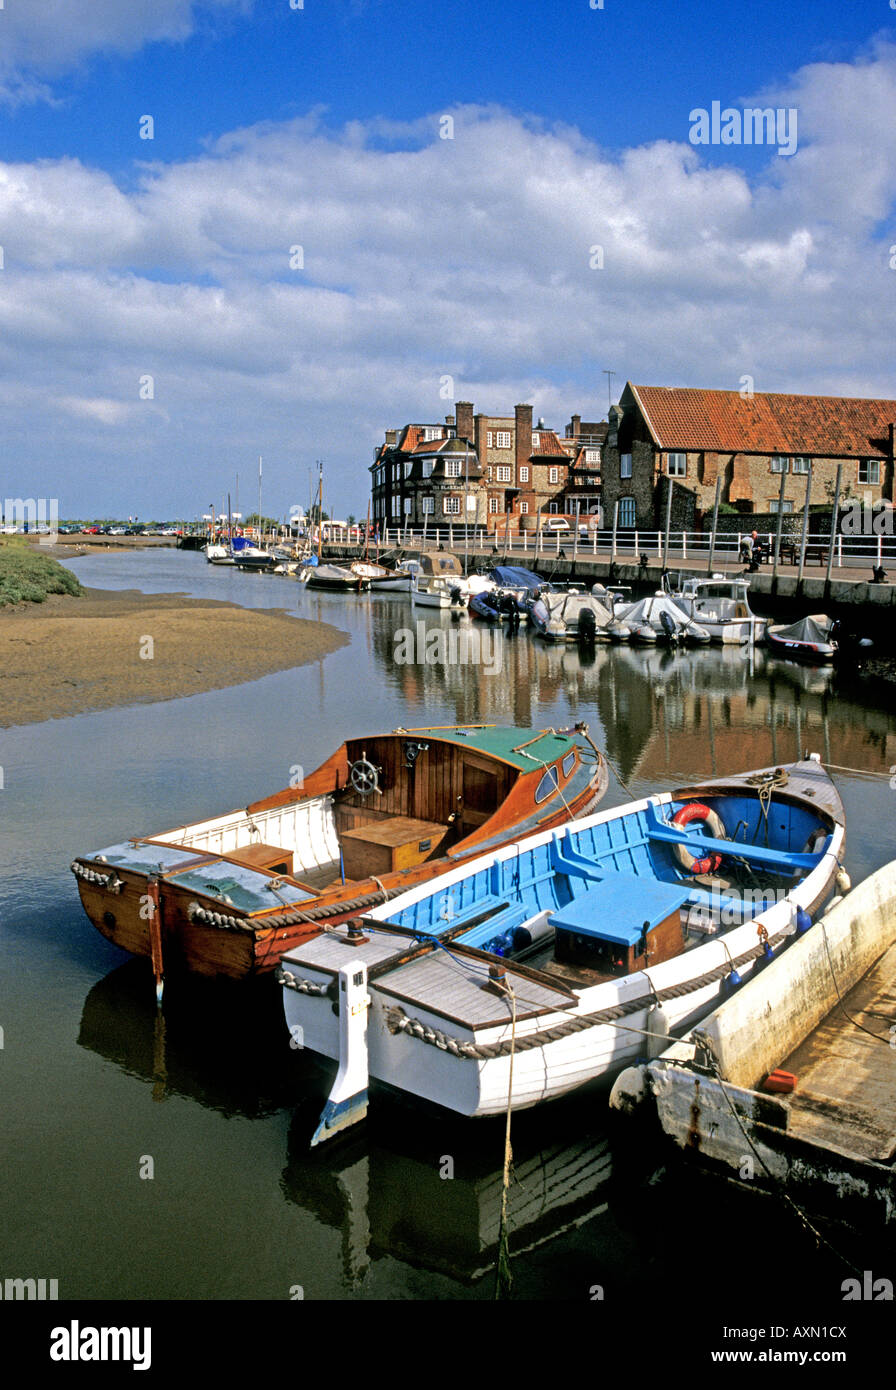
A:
[554,524]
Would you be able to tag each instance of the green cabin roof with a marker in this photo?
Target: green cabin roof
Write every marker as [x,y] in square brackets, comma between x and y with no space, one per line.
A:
[506,743]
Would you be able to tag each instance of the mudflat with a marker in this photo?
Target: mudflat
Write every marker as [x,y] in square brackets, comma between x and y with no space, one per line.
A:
[70,655]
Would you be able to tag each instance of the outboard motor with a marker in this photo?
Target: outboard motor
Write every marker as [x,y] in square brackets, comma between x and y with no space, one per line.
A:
[669,627]
[587,626]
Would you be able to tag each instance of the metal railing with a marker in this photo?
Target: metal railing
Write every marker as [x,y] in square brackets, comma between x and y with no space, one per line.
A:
[629,544]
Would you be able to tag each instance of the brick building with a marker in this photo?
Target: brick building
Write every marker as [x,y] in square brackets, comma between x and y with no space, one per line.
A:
[661,436]
[495,470]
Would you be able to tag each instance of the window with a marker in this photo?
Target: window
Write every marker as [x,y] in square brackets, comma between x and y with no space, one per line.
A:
[492,505]
[432,432]
[502,439]
[427,468]
[786,506]
[677,465]
[429,506]
[869,471]
[592,455]
[396,506]
[524,508]
[627,510]
[547,786]
[779,463]
[471,502]
[452,506]
[625,465]
[452,468]
[407,469]
[536,441]
[524,474]
[408,506]
[503,474]
[489,439]
[553,475]
[569,763]
[799,465]
[396,472]
[553,508]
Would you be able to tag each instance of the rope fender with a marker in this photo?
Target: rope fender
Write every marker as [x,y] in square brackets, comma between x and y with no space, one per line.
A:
[398,1021]
[110,881]
[291,981]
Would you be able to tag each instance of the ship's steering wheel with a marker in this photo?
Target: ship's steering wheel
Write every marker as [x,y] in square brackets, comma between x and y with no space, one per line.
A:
[365,777]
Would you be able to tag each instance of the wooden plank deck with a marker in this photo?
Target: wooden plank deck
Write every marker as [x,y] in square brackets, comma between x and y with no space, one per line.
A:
[846,1095]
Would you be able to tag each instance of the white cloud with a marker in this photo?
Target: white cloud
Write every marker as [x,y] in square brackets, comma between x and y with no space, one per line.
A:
[425,257]
[46,36]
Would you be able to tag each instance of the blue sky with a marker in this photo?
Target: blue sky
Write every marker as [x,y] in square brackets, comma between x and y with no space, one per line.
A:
[169,259]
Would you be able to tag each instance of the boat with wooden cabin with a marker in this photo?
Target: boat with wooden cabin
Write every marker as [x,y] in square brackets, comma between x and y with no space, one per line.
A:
[440,583]
[569,950]
[229,895]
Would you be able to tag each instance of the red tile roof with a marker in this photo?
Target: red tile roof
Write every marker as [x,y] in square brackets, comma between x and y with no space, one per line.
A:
[549,446]
[691,418]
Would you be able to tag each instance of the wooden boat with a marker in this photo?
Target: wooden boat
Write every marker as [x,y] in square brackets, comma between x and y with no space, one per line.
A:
[400,579]
[373,573]
[568,949]
[719,604]
[335,577]
[727,1089]
[232,893]
[810,639]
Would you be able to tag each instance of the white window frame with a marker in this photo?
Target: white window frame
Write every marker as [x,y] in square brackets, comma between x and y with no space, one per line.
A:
[432,432]
[524,508]
[677,465]
[396,506]
[799,464]
[871,468]
[408,505]
[779,463]
[428,466]
[452,468]
[502,439]
[503,473]
[451,506]
[553,475]
[493,506]
[536,440]
[625,465]
[592,456]
[524,473]
[429,506]
[471,501]
[786,507]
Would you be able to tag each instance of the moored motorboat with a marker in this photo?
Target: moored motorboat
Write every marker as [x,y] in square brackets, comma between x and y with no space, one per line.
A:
[719,604]
[230,894]
[570,950]
[658,619]
[569,615]
[440,583]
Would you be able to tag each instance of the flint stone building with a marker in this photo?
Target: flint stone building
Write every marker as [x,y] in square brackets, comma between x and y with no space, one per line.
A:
[662,436]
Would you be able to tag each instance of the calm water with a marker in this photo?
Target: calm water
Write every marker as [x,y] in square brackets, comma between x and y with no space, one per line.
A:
[93,1083]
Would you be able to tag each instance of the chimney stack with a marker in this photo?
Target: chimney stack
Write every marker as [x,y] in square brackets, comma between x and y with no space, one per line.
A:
[523,417]
[464,427]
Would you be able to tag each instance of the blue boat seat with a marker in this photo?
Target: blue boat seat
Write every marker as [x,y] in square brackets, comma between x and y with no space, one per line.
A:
[618,909]
[701,845]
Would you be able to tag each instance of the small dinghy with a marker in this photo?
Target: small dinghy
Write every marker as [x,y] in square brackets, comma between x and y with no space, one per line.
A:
[398,580]
[810,639]
[572,952]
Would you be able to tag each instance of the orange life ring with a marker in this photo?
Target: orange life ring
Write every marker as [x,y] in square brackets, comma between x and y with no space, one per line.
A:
[696,811]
